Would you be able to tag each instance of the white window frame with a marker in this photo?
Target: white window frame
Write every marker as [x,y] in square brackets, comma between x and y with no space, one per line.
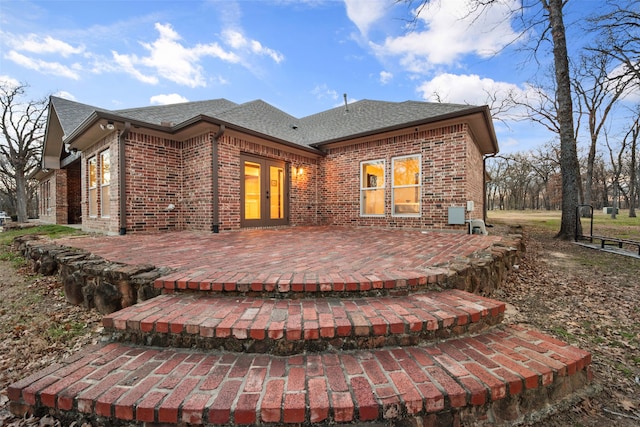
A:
[417,186]
[105,186]
[92,203]
[364,189]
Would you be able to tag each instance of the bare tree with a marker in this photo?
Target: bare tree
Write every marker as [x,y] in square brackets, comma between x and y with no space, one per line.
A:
[569,167]
[599,93]
[620,34]
[632,136]
[548,18]
[22,128]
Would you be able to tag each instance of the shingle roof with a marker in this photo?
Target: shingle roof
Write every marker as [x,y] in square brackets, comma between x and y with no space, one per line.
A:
[366,116]
[177,113]
[358,118]
[71,114]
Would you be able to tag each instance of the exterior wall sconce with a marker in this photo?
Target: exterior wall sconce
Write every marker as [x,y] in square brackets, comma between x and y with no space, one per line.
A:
[299,171]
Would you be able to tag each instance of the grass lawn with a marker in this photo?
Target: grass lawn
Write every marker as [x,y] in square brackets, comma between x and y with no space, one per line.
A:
[621,227]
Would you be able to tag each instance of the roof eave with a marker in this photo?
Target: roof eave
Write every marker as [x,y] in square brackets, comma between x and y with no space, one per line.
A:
[483,111]
[89,132]
[212,120]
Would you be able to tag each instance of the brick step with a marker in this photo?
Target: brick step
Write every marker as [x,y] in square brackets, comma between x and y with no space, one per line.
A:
[498,375]
[286,327]
[300,283]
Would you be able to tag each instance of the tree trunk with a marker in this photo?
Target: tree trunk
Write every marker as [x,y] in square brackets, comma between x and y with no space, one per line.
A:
[21,196]
[614,207]
[569,167]
[632,180]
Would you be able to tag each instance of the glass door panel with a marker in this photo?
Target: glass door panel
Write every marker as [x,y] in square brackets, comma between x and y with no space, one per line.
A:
[276,192]
[264,192]
[252,194]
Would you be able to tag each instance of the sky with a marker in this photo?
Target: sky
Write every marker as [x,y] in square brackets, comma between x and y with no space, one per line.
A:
[300,56]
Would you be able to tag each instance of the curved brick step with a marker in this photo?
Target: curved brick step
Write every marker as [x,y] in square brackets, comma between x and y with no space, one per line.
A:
[499,375]
[299,284]
[292,326]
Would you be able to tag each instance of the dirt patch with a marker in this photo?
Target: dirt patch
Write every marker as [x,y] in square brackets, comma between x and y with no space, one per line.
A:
[590,299]
[37,328]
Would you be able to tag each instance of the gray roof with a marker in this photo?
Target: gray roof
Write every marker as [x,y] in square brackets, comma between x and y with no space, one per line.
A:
[366,116]
[359,118]
[177,113]
[71,114]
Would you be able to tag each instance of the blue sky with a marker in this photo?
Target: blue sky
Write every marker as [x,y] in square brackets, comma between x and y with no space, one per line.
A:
[300,56]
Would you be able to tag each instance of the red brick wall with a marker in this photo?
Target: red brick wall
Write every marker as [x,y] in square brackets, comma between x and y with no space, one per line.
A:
[196,198]
[153,173]
[302,205]
[74,193]
[161,172]
[446,176]
[52,198]
[475,181]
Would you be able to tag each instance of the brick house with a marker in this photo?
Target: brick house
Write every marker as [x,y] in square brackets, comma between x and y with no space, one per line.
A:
[217,165]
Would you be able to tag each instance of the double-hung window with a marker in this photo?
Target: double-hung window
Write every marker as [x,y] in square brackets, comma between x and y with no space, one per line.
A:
[105,182]
[372,188]
[93,186]
[405,186]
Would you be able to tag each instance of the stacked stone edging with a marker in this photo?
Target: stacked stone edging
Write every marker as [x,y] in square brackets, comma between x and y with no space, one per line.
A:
[93,282]
[90,280]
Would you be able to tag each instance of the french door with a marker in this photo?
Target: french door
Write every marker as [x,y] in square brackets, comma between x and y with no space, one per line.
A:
[264,192]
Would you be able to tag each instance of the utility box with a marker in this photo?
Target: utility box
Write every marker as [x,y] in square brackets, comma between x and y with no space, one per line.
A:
[456,215]
[608,209]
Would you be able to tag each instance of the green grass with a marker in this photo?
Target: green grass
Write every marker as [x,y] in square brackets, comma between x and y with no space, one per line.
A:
[622,226]
[65,332]
[15,259]
[52,231]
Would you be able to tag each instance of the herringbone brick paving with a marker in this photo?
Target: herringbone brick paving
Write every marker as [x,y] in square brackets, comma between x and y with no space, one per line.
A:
[411,355]
[342,323]
[170,386]
[302,255]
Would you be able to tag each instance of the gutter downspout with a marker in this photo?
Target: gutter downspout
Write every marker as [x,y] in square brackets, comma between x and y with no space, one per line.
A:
[215,190]
[122,182]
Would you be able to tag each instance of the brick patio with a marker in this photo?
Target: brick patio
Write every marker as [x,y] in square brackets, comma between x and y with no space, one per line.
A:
[299,259]
[214,351]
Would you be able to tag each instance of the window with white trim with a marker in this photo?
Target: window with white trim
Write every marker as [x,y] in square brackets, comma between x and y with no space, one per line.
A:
[372,188]
[93,186]
[105,184]
[405,185]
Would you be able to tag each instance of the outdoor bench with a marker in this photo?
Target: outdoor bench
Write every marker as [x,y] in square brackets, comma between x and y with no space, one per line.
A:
[616,241]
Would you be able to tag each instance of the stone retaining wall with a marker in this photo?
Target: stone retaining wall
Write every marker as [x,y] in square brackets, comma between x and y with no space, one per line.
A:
[90,280]
[93,282]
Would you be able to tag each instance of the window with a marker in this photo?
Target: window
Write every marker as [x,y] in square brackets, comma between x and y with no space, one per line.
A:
[372,187]
[45,204]
[105,181]
[93,187]
[405,188]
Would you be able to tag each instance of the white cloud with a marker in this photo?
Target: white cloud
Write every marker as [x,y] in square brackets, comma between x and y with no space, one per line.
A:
[10,82]
[164,99]
[47,45]
[45,67]
[170,59]
[364,13]
[473,90]
[452,29]
[238,41]
[323,92]
[66,95]
[127,63]
[385,77]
